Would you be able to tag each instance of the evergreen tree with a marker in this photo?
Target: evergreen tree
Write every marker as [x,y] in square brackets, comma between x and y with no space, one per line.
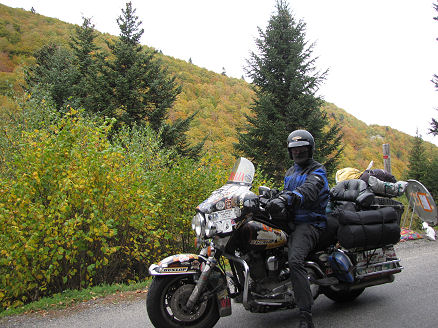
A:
[90,89]
[131,86]
[431,178]
[285,82]
[171,137]
[142,88]
[434,127]
[417,166]
[53,72]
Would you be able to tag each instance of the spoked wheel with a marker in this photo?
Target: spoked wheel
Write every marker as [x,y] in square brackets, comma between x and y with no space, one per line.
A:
[166,300]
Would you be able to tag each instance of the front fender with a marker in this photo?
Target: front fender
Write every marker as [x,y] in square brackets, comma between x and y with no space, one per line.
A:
[178,264]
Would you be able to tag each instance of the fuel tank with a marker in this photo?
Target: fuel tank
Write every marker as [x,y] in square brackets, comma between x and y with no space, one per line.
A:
[259,236]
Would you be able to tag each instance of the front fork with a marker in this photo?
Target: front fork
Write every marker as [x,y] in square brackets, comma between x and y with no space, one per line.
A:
[223,298]
[202,282]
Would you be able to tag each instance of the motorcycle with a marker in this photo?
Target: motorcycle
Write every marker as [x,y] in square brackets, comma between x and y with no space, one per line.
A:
[243,257]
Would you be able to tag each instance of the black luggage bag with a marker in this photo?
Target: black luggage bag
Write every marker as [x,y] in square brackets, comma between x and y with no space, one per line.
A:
[368,229]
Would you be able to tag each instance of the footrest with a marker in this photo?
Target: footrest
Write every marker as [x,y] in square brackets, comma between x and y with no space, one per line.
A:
[329,281]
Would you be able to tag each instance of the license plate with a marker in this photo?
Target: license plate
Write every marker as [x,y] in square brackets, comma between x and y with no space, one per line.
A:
[375,256]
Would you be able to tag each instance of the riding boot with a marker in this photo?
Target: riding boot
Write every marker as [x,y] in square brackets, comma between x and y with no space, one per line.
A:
[306,320]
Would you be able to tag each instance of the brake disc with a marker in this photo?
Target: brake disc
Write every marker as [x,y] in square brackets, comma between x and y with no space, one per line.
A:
[178,305]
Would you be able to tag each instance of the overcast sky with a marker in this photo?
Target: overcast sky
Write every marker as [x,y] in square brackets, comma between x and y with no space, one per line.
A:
[381,54]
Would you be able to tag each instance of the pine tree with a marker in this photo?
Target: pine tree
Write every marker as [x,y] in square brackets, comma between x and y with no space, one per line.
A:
[53,72]
[417,166]
[91,89]
[131,85]
[142,89]
[285,82]
[431,178]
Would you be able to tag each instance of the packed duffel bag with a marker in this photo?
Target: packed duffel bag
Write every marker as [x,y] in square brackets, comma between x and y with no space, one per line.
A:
[368,229]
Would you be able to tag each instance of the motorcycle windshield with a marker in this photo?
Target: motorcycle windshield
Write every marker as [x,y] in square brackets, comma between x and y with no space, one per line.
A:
[242,172]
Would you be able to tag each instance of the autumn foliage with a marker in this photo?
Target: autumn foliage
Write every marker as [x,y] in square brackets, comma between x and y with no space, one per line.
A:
[77,210]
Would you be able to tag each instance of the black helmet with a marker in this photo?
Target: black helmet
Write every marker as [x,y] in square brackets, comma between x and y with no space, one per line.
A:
[300,138]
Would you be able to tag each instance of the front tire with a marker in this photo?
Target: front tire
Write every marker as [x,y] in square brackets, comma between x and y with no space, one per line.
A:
[342,296]
[165,303]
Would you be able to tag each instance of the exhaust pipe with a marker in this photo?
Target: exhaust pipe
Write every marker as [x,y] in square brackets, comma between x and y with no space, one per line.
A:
[365,284]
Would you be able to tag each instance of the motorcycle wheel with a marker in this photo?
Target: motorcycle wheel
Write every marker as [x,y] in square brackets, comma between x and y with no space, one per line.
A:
[342,296]
[165,303]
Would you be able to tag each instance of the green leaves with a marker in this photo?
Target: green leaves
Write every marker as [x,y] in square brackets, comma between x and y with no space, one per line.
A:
[78,210]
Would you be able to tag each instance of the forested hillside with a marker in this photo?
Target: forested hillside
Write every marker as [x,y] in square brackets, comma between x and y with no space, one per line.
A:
[220,101]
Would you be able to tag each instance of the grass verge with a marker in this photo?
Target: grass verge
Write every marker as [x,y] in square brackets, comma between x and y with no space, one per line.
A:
[71,297]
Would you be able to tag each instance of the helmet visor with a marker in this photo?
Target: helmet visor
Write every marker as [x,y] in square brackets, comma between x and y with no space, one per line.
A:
[298,143]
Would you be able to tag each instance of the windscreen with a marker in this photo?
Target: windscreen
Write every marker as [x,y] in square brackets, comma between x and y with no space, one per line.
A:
[242,172]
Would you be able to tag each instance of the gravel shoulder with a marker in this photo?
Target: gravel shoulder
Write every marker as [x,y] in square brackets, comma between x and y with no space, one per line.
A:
[46,318]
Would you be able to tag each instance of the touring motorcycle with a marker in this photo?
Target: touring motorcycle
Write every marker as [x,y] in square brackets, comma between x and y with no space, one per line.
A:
[243,257]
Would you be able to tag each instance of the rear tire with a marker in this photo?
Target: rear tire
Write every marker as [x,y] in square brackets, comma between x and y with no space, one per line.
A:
[342,296]
[166,299]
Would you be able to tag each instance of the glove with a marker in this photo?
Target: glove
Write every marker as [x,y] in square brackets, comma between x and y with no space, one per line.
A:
[276,205]
[250,205]
[277,208]
[292,199]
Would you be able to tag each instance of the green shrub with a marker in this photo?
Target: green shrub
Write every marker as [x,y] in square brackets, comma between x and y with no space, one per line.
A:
[77,210]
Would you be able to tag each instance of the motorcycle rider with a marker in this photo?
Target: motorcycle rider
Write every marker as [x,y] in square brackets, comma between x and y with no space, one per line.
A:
[303,201]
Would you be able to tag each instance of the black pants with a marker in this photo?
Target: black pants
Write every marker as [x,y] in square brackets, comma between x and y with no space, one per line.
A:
[301,242]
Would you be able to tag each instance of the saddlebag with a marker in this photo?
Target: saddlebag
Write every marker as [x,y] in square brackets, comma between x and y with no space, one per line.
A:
[368,229]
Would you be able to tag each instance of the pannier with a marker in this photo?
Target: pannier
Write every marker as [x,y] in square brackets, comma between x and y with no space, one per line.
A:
[368,229]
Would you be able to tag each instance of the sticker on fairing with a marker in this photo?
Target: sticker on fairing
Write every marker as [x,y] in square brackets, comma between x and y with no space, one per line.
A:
[174,269]
[261,241]
[196,265]
[177,258]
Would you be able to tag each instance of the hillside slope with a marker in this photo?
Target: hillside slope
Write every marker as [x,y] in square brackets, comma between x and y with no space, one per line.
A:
[220,101]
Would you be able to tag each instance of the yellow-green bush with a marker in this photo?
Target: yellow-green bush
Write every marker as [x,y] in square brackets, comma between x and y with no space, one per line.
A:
[77,210]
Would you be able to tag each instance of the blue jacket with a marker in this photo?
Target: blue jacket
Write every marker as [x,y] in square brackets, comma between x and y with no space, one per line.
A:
[311,185]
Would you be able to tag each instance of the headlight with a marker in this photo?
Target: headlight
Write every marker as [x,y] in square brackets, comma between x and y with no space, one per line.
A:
[198,224]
